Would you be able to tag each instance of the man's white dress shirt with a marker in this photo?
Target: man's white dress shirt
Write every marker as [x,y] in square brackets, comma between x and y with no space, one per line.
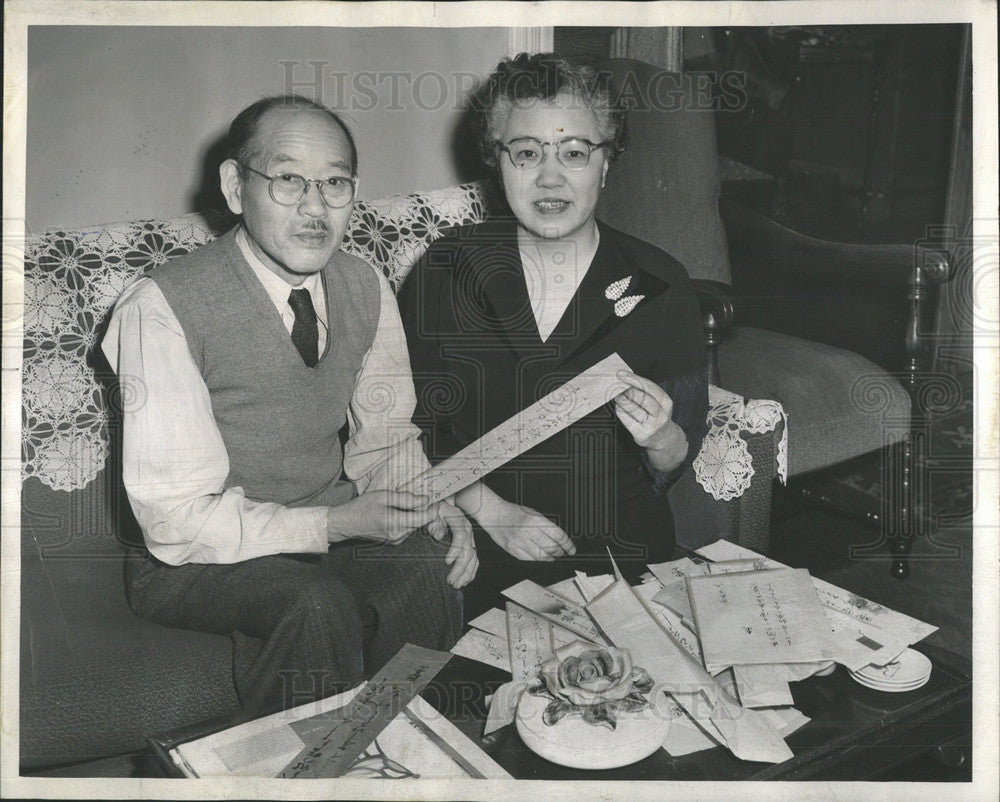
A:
[174,459]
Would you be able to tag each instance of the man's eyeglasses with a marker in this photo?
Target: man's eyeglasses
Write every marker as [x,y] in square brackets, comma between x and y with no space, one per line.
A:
[290,188]
[527,153]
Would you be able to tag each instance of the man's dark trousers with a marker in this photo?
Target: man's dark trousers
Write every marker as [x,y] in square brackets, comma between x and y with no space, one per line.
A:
[325,620]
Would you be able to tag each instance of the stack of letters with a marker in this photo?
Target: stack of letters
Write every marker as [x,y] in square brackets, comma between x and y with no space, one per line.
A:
[723,638]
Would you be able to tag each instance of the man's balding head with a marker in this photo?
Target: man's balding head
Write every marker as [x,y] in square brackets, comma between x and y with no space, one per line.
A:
[241,145]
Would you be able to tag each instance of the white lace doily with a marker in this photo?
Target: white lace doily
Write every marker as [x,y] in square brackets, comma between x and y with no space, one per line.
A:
[724,466]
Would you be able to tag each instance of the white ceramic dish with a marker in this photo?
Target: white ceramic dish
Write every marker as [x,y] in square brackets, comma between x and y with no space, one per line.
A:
[575,743]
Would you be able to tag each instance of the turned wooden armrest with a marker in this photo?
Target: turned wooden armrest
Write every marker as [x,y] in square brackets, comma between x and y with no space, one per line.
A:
[717,302]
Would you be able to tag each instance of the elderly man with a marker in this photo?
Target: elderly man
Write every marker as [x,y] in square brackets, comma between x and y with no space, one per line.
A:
[253,352]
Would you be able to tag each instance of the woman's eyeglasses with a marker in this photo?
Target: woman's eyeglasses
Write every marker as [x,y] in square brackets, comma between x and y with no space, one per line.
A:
[527,153]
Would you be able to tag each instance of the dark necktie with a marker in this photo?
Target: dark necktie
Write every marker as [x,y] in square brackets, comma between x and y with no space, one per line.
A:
[305,334]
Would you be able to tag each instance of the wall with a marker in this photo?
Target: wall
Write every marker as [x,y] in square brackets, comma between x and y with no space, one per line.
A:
[126,122]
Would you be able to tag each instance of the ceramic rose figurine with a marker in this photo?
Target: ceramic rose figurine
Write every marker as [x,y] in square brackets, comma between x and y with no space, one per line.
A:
[592,682]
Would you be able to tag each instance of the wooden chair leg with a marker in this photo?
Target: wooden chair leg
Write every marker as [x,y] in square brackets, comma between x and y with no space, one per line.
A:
[898,477]
[907,488]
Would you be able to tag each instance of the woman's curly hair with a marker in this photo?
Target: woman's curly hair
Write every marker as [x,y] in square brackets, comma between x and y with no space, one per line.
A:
[541,77]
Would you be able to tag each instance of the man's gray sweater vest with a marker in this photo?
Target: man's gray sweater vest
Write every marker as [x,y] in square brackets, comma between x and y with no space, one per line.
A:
[279,419]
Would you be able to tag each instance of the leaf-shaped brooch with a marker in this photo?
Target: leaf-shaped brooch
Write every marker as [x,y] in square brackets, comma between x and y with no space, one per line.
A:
[614,292]
[616,289]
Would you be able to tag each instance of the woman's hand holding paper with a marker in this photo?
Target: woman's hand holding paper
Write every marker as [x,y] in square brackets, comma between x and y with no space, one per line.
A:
[645,409]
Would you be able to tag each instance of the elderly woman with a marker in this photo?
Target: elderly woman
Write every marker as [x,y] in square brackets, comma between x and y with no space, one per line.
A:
[500,313]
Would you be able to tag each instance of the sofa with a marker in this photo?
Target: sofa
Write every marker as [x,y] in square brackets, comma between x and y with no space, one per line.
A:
[95,680]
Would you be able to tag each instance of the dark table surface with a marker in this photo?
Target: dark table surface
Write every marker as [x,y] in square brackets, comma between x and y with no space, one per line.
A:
[855,733]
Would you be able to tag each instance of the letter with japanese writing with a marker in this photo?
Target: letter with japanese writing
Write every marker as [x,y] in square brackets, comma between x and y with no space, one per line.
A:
[758,617]
[677,569]
[863,631]
[529,642]
[483,647]
[555,609]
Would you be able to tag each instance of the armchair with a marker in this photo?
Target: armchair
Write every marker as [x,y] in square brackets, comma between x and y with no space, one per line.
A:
[840,404]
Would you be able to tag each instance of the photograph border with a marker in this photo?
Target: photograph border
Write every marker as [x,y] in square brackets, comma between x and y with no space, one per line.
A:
[525,19]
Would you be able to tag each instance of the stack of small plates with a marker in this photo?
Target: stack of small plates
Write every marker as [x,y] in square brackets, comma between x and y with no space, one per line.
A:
[907,672]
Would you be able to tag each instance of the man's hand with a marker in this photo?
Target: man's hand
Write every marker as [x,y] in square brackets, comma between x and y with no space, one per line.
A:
[383,515]
[526,534]
[461,555]
[645,409]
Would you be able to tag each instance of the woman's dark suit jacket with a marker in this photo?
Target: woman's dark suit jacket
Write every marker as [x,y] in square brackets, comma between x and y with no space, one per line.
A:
[477,359]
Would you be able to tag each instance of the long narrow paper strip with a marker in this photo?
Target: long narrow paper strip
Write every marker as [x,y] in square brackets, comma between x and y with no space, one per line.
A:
[359,723]
[444,746]
[529,639]
[564,406]
[669,621]
[494,622]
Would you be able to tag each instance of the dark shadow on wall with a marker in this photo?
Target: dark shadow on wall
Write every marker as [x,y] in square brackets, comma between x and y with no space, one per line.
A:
[206,194]
[464,144]
[465,153]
